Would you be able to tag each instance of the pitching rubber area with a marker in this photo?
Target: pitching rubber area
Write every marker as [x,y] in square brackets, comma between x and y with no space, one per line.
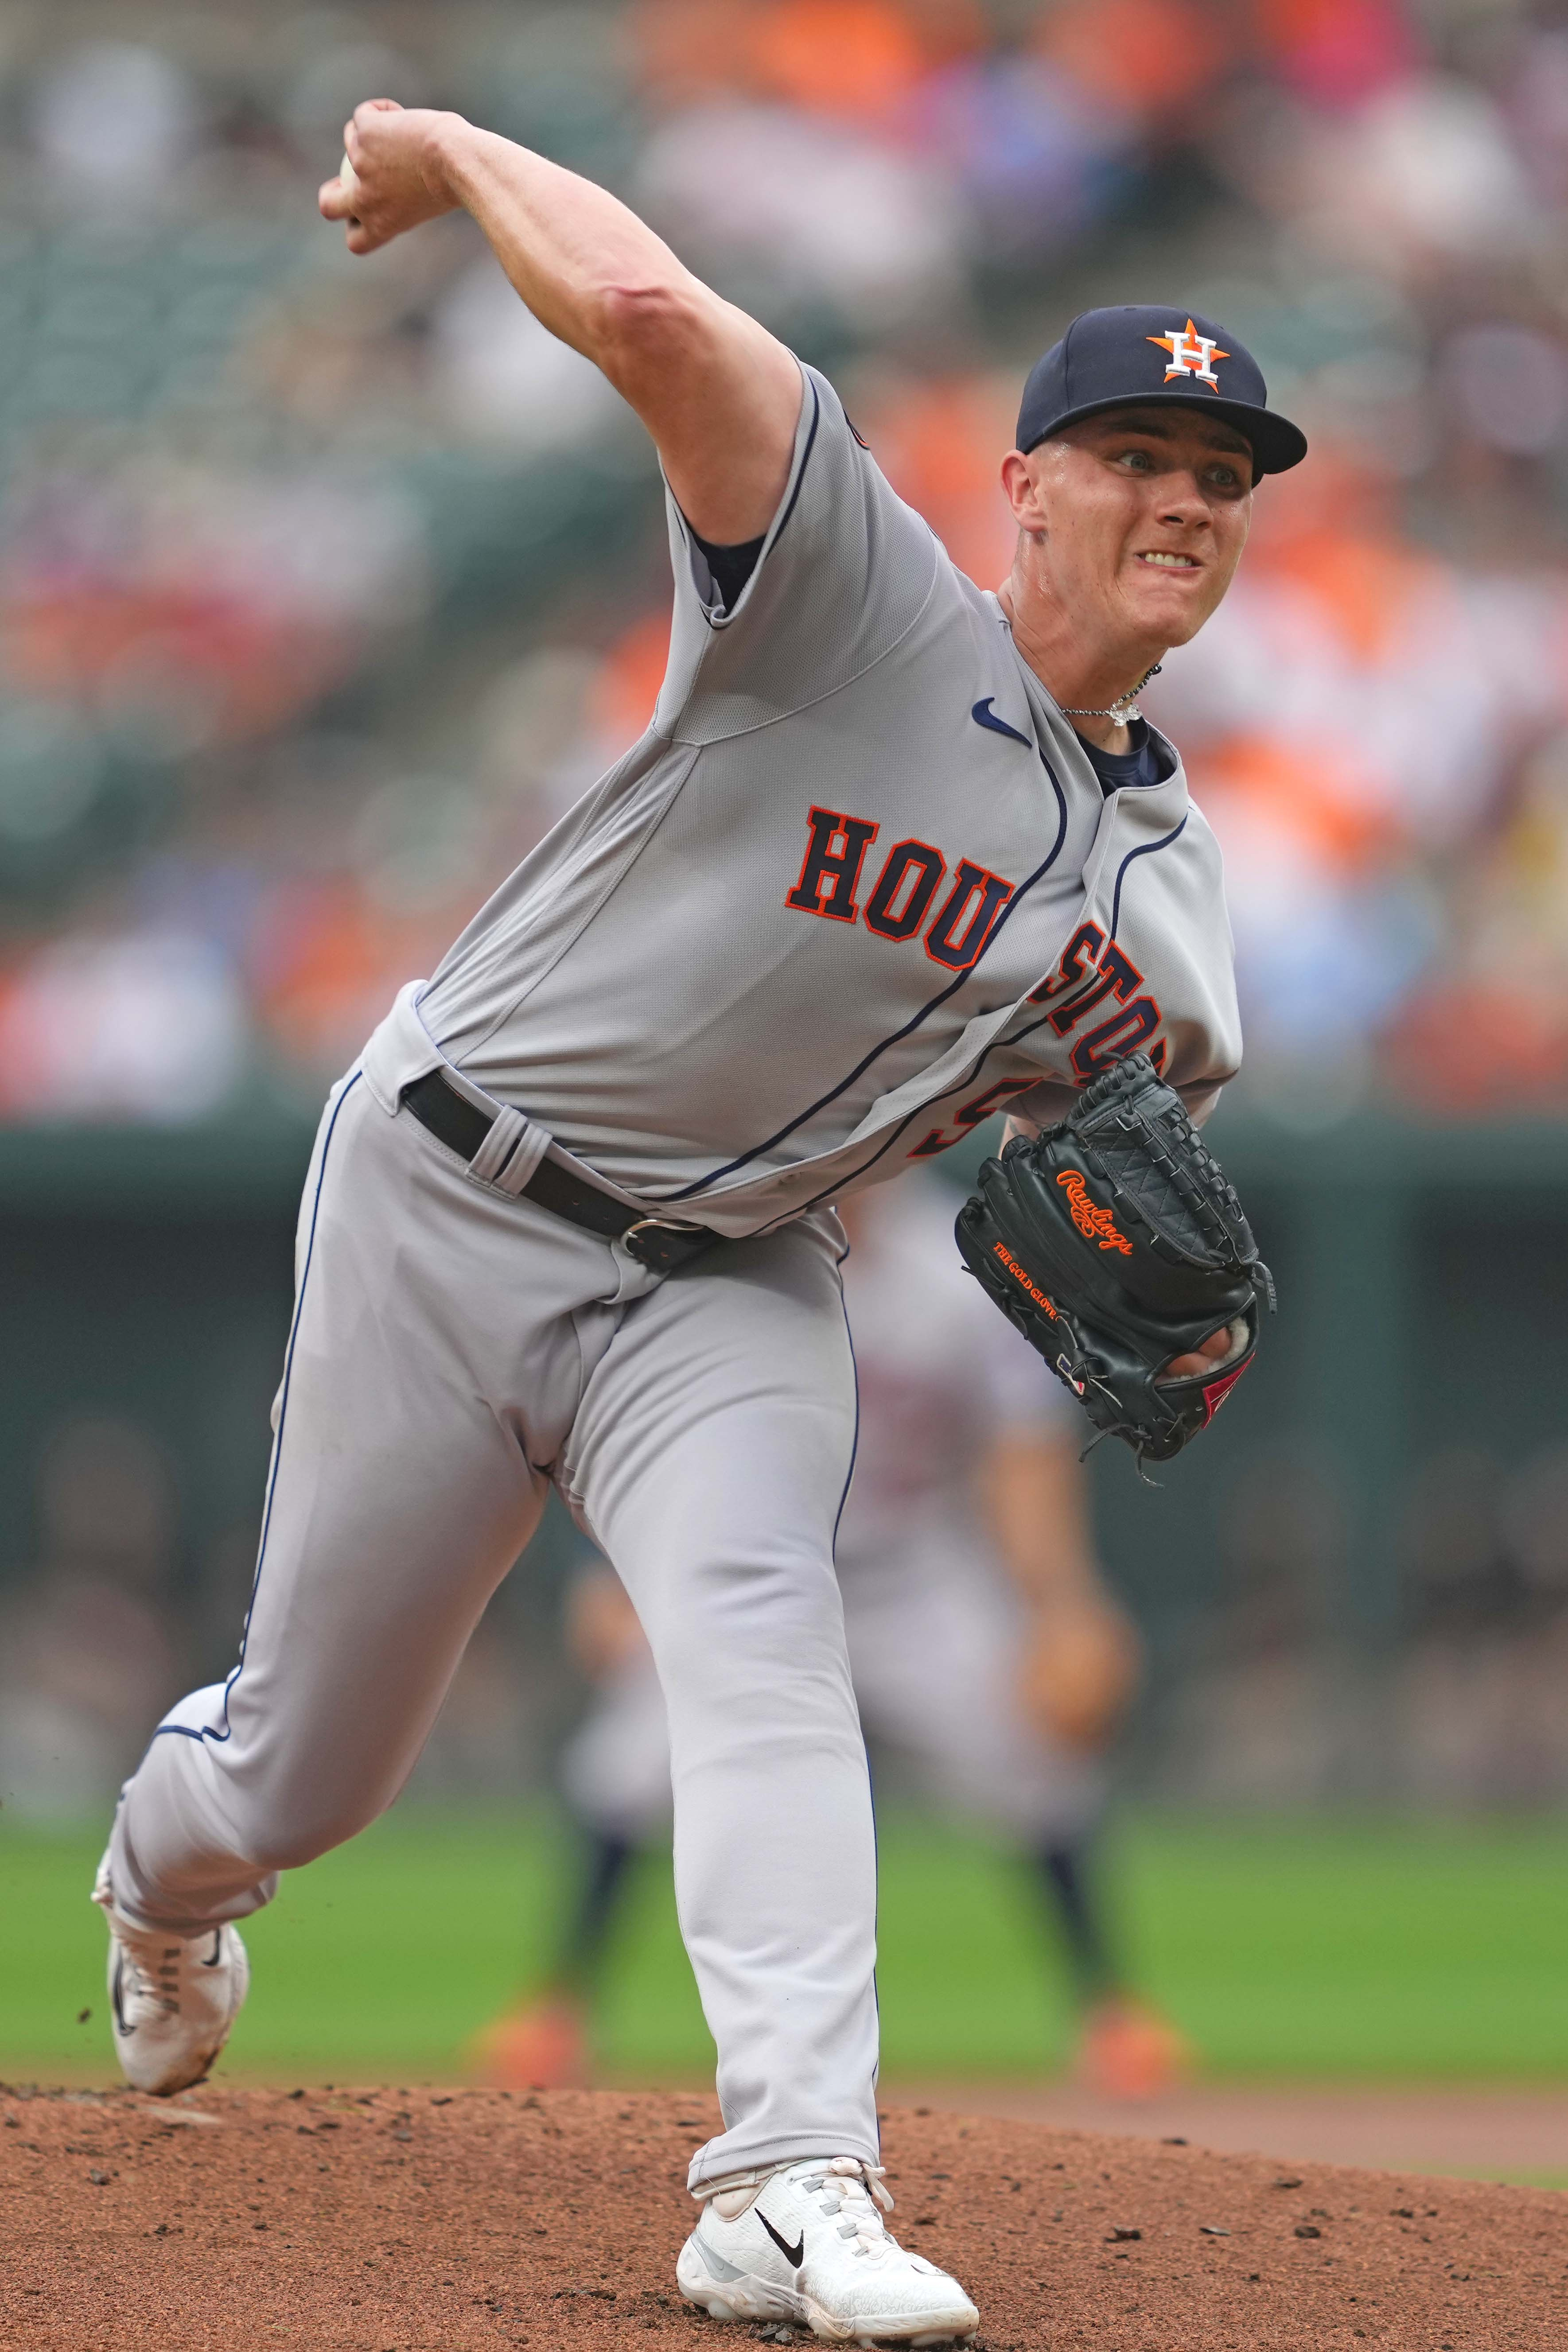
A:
[388,2220]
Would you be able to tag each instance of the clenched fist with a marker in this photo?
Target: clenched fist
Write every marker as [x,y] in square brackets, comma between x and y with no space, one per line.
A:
[394,179]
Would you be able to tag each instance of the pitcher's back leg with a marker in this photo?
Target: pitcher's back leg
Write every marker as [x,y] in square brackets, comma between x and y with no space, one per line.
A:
[400,1493]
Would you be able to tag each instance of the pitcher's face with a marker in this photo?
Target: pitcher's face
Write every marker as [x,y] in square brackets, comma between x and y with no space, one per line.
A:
[1138,518]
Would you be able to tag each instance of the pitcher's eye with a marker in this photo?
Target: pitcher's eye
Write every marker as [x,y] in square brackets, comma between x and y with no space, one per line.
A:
[1139,459]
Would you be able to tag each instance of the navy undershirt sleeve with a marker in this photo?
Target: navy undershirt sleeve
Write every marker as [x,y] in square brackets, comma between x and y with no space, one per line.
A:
[732,567]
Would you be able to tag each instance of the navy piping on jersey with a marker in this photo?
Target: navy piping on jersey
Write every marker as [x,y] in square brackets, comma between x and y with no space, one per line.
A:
[1144,849]
[831,1191]
[1013,1037]
[909,1026]
[735,578]
[959,1087]
[805,460]
[181,1730]
[870,1776]
[854,1440]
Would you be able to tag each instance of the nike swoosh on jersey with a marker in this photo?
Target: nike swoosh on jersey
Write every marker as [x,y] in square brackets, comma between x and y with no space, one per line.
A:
[984,716]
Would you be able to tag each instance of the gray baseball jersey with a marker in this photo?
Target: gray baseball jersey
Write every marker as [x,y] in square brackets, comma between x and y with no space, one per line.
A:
[857,886]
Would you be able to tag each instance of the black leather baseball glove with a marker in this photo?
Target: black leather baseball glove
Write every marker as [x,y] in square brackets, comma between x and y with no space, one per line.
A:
[1114,1244]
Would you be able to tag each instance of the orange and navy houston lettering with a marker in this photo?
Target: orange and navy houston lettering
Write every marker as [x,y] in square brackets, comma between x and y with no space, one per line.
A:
[914,863]
[1025,1281]
[1095,1223]
[1114,1039]
[830,873]
[900,901]
[1076,959]
[1127,1029]
[976,901]
[943,1139]
[1119,976]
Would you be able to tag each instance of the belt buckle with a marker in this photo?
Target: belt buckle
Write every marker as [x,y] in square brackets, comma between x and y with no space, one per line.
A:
[663,1259]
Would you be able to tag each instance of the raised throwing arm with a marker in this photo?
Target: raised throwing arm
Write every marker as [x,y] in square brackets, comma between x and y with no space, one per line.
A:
[720,395]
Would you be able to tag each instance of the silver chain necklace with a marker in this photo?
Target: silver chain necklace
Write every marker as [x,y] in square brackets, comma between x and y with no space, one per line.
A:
[1125,706]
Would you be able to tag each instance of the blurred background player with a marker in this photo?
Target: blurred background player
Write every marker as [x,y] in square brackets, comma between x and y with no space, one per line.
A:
[987,1651]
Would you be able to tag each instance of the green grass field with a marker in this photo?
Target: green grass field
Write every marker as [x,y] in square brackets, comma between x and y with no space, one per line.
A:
[1316,1948]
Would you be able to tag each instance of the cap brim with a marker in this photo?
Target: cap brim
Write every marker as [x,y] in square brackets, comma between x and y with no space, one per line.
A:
[1277,444]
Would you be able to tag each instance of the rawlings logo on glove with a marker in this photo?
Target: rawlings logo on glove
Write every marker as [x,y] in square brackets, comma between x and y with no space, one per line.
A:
[1097,1222]
[1116,1234]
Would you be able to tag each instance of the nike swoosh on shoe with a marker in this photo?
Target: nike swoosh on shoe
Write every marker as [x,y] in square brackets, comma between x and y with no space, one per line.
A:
[795,2253]
[116,1995]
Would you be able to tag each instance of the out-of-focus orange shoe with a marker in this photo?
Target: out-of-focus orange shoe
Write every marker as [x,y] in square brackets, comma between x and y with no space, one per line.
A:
[539,2046]
[1128,2050]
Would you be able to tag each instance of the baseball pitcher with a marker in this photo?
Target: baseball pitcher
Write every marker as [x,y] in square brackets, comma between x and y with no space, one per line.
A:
[894,851]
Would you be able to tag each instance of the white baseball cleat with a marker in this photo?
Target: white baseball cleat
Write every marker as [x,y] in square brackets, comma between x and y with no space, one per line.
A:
[172,1999]
[806,2243]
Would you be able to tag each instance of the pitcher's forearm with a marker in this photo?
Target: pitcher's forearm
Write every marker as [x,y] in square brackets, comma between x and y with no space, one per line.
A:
[719,393]
[574,252]
[721,396]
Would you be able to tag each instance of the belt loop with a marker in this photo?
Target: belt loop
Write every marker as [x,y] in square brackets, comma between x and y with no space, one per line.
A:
[504,1135]
[517,1172]
[510,1151]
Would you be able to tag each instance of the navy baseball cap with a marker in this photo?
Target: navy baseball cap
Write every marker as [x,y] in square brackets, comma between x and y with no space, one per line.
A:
[1141,351]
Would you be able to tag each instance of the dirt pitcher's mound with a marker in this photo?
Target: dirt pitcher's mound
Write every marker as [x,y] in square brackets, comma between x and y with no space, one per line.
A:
[418,2222]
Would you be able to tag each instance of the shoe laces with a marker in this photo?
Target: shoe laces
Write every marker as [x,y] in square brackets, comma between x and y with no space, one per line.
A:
[152,1962]
[851,2193]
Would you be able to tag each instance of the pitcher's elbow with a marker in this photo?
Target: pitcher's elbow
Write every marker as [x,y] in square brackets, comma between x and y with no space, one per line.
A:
[645,328]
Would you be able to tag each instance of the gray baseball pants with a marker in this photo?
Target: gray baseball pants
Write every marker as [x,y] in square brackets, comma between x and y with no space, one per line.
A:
[454,1351]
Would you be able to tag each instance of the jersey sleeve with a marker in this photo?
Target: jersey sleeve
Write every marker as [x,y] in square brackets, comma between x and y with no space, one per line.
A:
[846,570]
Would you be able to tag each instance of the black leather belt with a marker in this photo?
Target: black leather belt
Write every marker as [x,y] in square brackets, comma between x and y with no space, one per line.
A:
[462,1127]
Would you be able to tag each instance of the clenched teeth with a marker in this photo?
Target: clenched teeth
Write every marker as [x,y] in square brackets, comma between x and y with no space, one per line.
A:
[1181,563]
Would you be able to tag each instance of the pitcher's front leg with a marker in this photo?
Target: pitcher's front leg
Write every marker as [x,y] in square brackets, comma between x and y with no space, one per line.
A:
[711,1455]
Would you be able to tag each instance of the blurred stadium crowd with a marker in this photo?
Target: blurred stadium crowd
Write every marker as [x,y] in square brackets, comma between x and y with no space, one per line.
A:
[324,585]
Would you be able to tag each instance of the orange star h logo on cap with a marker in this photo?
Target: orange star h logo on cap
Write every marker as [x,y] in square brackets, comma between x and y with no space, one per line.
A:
[1190,354]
